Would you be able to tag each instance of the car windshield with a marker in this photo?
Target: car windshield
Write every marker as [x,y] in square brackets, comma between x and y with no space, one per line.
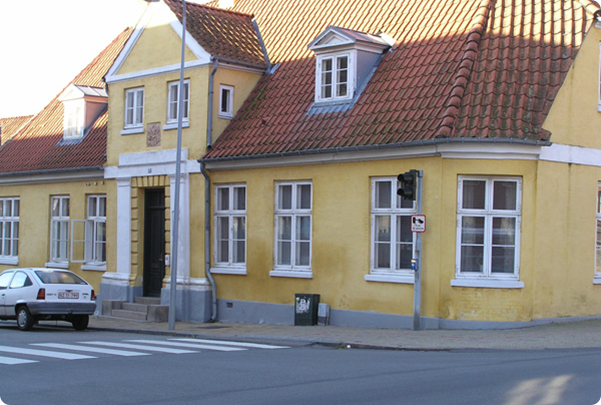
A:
[59,277]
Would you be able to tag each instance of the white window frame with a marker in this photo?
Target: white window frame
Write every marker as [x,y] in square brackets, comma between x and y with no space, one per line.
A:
[486,278]
[134,108]
[74,118]
[59,230]
[173,102]
[335,80]
[86,240]
[597,274]
[10,209]
[295,214]
[231,211]
[226,101]
[392,207]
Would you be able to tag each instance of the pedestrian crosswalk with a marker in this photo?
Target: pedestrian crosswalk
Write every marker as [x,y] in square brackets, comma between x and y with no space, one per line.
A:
[34,352]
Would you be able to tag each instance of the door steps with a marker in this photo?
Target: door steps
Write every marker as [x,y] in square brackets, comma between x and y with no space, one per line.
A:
[145,309]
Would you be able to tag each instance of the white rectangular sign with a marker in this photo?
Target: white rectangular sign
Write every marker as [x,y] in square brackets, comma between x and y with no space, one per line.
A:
[418,223]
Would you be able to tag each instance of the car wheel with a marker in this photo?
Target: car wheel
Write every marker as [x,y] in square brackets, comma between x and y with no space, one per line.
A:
[80,322]
[25,320]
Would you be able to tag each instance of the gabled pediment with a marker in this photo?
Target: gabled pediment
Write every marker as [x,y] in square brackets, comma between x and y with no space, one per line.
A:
[341,38]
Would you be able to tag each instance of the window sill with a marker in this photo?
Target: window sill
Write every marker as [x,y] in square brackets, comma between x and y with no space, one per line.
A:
[94,267]
[13,261]
[132,130]
[173,125]
[597,279]
[226,116]
[472,283]
[58,265]
[391,278]
[291,273]
[239,271]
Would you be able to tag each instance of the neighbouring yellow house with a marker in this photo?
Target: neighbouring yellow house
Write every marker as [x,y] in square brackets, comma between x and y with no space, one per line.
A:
[223,59]
[52,187]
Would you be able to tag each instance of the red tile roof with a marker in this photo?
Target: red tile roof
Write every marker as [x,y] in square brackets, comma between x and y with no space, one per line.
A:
[10,126]
[38,148]
[459,69]
[227,35]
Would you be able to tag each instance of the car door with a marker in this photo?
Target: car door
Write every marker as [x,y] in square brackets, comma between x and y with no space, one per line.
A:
[4,283]
[20,289]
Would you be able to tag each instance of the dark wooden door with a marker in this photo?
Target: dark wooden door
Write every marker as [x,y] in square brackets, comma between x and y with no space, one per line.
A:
[154,242]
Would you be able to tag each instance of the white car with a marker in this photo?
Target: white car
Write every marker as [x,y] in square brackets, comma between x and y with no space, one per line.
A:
[30,295]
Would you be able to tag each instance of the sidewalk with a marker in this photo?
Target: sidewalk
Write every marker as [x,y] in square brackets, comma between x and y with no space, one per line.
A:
[566,335]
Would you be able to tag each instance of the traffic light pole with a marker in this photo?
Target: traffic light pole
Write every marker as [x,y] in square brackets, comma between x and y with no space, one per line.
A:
[417,253]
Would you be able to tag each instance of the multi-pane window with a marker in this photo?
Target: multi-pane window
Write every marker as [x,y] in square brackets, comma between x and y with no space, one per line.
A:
[74,119]
[226,101]
[134,107]
[59,229]
[9,228]
[173,101]
[333,76]
[230,225]
[97,220]
[293,213]
[88,241]
[392,240]
[488,227]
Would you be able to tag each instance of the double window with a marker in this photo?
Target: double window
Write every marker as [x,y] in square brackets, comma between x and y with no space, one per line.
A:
[333,77]
[598,238]
[488,229]
[74,119]
[9,230]
[59,229]
[391,236]
[230,226]
[293,218]
[173,101]
[134,108]
[88,243]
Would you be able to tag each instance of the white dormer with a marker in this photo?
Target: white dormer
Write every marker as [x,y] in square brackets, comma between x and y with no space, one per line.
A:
[344,60]
[82,106]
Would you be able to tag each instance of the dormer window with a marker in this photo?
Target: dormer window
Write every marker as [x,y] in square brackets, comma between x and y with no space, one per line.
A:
[73,121]
[82,106]
[345,59]
[334,77]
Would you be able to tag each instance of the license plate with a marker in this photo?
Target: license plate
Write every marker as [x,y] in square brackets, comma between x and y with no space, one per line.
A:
[67,295]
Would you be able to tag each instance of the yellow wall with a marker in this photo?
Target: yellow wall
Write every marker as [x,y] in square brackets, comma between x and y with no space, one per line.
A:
[34,221]
[574,119]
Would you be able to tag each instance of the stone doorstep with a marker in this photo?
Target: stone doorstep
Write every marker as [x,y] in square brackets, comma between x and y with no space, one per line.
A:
[144,309]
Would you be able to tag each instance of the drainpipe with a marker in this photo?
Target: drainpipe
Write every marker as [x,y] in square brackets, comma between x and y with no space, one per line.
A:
[208,242]
[210,112]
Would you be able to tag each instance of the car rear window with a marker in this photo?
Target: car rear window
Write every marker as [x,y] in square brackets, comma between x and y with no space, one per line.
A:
[59,277]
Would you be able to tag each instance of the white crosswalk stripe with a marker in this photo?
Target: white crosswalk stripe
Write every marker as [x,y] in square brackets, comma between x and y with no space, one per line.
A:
[91,349]
[44,353]
[226,343]
[127,348]
[191,345]
[143,347]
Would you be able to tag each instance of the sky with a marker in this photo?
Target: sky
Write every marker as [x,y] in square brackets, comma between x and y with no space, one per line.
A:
[44,44]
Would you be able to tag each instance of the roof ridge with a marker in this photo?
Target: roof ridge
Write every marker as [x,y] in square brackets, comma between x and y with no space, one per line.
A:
[465,69]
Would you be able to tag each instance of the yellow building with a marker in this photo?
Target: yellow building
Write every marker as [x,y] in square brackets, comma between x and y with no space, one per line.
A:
[52,187]
[223,59]
[495,108]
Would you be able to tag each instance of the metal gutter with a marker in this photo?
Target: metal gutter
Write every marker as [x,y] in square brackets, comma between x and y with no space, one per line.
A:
[210,107]
[428,142]
[208,243]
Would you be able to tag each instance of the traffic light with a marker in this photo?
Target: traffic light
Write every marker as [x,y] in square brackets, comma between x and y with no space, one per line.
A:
[407,185]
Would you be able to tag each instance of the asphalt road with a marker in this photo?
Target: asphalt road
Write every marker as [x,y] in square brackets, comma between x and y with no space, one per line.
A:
[119,368]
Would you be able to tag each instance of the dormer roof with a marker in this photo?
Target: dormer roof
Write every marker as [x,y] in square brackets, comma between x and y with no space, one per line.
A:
[466,69]
[334,38]
[38,149]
